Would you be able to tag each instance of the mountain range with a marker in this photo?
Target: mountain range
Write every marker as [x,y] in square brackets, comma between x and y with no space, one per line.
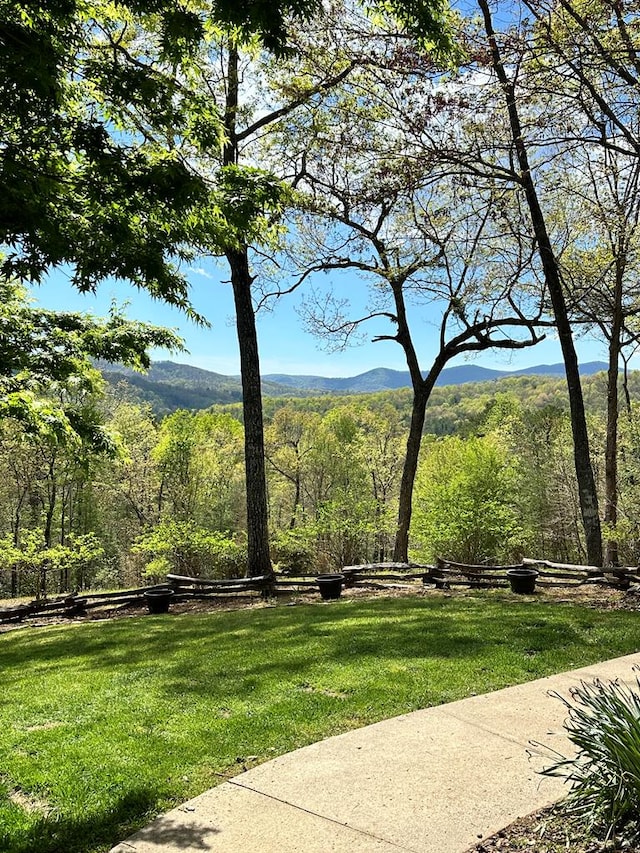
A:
[168,385]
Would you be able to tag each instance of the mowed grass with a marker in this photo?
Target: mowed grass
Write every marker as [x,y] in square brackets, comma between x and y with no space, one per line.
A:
[103,725]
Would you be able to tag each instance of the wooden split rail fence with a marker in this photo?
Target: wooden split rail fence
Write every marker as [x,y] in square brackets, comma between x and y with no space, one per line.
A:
[447,573]
[443,575]
[78,604]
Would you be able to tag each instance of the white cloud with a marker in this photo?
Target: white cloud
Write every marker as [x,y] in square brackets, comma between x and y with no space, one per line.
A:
[201,271]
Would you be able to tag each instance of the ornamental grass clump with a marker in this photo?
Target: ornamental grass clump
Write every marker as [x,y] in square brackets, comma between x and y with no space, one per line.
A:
[604,725]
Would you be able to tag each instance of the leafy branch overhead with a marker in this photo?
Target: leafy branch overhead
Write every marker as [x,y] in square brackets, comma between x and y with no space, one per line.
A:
[424,20]
[95,104]
[46,363]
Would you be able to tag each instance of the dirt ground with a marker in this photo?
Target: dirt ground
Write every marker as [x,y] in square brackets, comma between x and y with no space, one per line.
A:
[603,598]
[547,831]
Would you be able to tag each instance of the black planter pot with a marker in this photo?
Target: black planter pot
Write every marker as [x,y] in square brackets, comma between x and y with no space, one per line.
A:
[158,600]
[330,586]
[523,581]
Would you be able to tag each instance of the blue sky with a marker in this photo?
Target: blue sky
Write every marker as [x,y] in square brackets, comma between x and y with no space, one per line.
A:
[285,347]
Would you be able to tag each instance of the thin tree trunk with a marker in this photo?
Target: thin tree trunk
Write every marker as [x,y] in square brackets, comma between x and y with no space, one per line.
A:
[611,457]
[256,480]
[586,482]
[625,386]
[611,446]
[51,506]
[297,495]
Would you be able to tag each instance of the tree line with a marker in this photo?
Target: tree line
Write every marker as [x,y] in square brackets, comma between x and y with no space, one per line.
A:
[168,496]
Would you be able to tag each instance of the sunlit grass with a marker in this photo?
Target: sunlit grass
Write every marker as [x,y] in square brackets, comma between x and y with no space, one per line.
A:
[103,725]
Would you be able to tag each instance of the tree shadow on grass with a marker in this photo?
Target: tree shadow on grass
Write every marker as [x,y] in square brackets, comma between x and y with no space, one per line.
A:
[60,834]
[277,640]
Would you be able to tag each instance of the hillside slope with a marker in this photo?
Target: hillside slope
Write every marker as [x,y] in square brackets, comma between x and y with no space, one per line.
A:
[169,386]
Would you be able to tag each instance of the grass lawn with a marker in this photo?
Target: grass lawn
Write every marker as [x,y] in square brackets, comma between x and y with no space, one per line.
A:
[103,725]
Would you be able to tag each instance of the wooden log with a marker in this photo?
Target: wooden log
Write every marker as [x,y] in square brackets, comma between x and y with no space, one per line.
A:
[578,576]
[373,567]
[218,590]
[385,577]
[258,580]
[120,592]
[115,602]
[228,590]
[471,568]
[17,613]
[570,567]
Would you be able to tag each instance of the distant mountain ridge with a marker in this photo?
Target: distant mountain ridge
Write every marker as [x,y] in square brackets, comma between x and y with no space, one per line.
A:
[169,385]
[384,379]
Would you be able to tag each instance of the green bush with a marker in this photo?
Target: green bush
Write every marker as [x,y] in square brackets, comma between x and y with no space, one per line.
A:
[185,549]
[464,506]
[32,569]
[292,552]
[604,725]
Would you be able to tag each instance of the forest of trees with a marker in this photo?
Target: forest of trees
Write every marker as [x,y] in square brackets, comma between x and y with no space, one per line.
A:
[482,161]
[495,482]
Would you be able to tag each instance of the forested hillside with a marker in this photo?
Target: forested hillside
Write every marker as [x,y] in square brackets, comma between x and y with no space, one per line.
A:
[495,481]
[168,386]
[457,408]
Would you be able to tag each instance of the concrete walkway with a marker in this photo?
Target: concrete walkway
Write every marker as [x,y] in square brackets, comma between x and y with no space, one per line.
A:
[434,781]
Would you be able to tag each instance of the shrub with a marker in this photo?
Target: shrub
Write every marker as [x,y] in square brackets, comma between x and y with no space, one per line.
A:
[292,552]
[604,725]
[464,505]
[31,568]
[186,549]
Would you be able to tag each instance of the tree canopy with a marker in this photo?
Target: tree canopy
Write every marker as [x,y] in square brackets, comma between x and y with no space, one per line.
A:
[46,363]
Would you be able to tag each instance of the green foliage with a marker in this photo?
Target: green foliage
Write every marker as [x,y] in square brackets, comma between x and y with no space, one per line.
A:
[95,103]
[333,480]
[185,549]
[74,191]
[464,507]
[199,456]
[46,364]
[248,199]
[627,529]
[604,726]
[333,469]
[31,568]
[293,552]
[427,21]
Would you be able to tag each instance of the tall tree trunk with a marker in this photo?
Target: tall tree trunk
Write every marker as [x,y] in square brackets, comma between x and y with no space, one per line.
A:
[409,469]
[414,439]
[255,473]
[611,446]
[259,561]
[586,482]
[422,389]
